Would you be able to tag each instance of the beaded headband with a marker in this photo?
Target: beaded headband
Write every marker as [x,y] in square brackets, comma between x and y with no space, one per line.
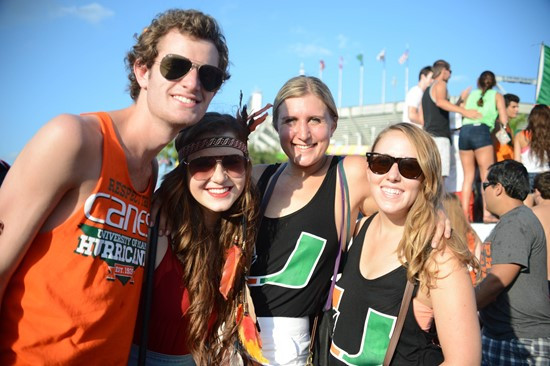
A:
[212,142]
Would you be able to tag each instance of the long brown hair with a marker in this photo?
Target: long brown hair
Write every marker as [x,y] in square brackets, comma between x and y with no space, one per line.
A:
[486,81]
[415,249]
[539,126]
[201,251]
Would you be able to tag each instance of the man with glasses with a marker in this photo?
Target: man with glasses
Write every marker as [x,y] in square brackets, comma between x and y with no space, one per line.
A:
[512,297]
[436,107]
[75,205]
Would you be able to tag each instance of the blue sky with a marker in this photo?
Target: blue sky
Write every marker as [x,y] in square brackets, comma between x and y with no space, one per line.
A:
[66,56]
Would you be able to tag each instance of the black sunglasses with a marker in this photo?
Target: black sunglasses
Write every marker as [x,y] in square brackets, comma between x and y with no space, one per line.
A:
[203,168]
[487,184]
[174,67]
[382,163]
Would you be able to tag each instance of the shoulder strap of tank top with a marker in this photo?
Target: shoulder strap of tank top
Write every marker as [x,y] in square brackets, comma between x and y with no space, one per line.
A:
[264,178]
[407,295]
[269,190]
[344,236]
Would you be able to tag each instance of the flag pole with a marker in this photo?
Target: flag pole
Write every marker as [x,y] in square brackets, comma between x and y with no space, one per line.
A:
[340,67]
[406,77]
[383,81]
[361,72]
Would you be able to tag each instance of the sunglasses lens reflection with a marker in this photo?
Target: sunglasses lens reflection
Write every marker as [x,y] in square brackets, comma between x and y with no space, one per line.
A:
[174,67]
[203,168]
[381,164]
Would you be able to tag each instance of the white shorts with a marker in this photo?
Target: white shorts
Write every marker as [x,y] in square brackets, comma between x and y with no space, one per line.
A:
[444,148]
[285,341]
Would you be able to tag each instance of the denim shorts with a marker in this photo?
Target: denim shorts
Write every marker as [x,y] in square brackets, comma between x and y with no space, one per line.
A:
[473,137]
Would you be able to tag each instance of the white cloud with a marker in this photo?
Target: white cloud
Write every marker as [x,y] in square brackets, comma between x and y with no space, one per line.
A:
[307,50]
[92,13]
[342,41]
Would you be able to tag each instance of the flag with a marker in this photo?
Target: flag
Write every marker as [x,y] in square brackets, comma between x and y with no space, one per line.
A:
[321,65]
[381,55]
[543,80]
[341,63]
[360,58]
[404,57]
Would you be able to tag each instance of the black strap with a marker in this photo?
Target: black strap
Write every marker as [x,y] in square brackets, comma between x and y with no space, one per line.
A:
[266,175]
[344,193]
[147,290]
[407,295]
[269,190]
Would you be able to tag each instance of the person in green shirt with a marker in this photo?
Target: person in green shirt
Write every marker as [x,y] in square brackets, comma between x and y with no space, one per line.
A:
[475,144]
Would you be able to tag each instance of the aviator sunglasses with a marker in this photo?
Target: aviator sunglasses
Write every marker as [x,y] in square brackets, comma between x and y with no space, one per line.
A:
[174,67]
[203,168]
[382,163]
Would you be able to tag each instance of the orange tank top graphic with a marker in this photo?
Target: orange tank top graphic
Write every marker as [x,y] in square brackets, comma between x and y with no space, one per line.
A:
[73,299]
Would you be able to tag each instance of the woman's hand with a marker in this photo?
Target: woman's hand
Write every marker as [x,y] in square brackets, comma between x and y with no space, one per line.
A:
[442,229]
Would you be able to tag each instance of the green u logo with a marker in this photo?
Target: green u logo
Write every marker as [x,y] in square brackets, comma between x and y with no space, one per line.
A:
[374,342]
[299,267]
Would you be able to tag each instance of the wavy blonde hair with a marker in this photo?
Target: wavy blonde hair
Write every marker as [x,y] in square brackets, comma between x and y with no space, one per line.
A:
[414,249]
[201,251]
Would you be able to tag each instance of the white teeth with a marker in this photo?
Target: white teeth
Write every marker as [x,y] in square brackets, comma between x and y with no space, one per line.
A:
[391,191]
[183,99]
[218,190]
[303,147]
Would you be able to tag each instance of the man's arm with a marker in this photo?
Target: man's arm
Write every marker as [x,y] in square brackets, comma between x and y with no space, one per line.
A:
[500,277]
[440,95]
[416,115]
[49,166]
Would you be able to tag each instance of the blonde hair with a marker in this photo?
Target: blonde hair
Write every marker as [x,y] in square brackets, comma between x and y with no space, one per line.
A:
[300,86]
[414,249]
[460,225]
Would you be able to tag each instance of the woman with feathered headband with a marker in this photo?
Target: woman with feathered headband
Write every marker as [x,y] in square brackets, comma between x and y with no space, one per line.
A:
[211,205]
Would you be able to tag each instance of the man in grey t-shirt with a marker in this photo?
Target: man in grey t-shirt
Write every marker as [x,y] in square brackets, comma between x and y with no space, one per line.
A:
[513,295]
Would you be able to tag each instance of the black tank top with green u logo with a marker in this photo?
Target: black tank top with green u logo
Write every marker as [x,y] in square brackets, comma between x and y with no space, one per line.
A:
[295,255]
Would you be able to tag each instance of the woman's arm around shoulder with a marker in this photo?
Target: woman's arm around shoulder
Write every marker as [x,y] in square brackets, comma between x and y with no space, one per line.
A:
[360,197]
[455,311]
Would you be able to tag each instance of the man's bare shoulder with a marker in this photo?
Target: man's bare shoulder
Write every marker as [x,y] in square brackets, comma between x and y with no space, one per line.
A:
[542,212]
[76,127]
[72,141]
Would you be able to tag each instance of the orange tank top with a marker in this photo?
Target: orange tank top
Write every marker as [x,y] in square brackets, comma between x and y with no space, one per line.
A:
[73,300]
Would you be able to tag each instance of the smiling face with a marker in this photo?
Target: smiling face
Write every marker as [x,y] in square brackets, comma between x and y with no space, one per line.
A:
[219,192]
[305,127]
[393,193]
[183,101]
